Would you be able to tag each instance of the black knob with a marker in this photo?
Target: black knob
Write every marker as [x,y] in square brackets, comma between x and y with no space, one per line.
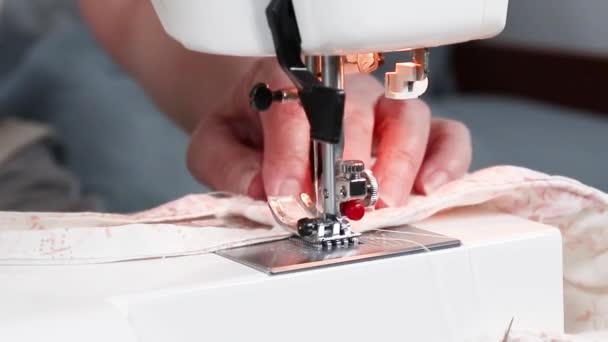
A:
[261,97]
[306,226]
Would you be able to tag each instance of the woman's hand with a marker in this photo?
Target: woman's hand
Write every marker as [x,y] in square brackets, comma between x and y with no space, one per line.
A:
[237,149]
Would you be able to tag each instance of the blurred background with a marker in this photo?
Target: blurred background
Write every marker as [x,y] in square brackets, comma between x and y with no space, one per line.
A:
[535,95]
[532,97]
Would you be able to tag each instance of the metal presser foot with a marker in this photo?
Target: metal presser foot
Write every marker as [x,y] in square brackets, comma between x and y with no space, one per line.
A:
[355,189]
[327,232]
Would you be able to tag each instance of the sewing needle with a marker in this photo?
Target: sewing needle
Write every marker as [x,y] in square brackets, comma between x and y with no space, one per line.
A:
[506,337]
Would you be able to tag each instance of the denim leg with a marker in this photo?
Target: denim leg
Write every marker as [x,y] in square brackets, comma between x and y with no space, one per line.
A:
[116,141]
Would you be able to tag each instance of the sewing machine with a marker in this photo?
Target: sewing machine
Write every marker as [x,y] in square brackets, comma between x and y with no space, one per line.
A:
[462,273]
[313,42]
[507,267]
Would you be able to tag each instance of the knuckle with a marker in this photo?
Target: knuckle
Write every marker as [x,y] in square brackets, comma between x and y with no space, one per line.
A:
[415,107]
[200,160]
[291,108]
[453,166]
[288,160]
[288,115]
[453,127]
[359,123]
[405,157]
[367,88]
[195,162]
[407,112]
[451,133]
[458,126]
[419,107]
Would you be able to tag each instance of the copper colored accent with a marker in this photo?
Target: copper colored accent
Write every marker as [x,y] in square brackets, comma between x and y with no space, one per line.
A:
[364,63]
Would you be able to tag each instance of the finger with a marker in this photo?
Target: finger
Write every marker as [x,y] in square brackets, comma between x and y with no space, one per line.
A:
[217,158]
[448,156]
[402,130]
[362,94]
[286,149]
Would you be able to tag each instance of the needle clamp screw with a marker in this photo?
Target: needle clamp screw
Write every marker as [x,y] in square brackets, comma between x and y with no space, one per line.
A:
[261,96]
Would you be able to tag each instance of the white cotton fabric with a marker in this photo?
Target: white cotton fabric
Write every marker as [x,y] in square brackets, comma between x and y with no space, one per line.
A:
[206,223]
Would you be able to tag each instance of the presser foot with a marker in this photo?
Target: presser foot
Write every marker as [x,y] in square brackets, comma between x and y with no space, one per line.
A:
[327,232]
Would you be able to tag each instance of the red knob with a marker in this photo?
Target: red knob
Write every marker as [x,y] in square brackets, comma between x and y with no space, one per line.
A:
[354,210]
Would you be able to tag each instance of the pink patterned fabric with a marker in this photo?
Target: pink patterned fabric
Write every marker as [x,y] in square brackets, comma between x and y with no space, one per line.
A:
[535,336]
[205,223]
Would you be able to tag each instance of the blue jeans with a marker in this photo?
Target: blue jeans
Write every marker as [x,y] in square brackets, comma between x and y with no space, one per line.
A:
[116,141]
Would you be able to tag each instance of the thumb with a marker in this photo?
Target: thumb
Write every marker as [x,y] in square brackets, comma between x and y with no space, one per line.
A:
[218,159]
[286,149]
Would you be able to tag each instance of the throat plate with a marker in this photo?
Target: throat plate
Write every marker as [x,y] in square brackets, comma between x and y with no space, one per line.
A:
[294,255]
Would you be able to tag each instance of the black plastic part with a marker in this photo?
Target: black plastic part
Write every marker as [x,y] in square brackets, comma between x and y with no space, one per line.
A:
[310,226]
[357,187]
[307,226]
[261,97]
[324,106]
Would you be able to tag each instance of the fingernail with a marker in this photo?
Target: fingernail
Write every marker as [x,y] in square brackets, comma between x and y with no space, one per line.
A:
[289,187]
[256,188]
[381,204]
[435,181]
[389,201]
[246,180]
[391,194]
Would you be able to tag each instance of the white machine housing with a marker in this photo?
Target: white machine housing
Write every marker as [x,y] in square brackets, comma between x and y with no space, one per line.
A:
[335,27]
[507,267]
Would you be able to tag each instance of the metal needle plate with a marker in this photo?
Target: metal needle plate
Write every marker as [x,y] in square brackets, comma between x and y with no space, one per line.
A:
[294,255]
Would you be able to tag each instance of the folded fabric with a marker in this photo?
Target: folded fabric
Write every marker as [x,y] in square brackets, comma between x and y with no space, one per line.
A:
[536,336]
[206,223]
[192,225]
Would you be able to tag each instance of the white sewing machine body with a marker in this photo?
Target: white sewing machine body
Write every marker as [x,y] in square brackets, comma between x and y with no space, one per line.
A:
[507,267]
[313,41]
[336,27]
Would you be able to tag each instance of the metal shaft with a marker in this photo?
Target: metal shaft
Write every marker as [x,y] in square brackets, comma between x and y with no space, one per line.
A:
[315,64]
[332,72]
